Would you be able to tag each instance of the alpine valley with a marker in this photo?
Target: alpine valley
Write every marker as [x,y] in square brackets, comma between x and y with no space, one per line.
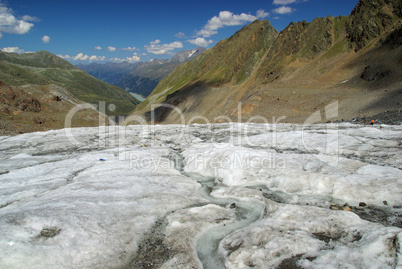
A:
[354,60]
[142,77]
[231,194]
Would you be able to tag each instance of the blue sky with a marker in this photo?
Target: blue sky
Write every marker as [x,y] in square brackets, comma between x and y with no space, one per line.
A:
[88,31]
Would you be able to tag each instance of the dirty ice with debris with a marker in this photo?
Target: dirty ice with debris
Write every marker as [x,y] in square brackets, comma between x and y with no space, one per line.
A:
[202,196]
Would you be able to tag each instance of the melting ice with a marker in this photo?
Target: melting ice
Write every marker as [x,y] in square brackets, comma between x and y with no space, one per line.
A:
[202,196]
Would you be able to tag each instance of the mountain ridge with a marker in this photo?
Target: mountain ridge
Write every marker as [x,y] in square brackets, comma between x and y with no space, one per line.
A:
[305,67]
[45,68]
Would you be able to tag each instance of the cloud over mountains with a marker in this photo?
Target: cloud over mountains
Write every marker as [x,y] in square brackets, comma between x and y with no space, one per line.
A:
[227,18]
[200,42]
[45,39]
[11,25]
[14,50]
[283,10]
[155,47]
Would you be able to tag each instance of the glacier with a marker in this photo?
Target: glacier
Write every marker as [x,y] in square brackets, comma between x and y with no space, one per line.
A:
[228,195]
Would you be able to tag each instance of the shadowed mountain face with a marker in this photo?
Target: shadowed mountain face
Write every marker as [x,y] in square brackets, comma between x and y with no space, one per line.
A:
[355,60]
[370,19]
[141,77]
[44,68]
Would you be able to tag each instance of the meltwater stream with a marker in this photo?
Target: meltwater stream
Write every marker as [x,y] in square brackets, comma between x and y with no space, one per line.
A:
[247,212]
[208,242]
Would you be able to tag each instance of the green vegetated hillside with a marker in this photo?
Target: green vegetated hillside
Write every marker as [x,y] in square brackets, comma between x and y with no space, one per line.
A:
[43,68]
[295,72]
[232,59]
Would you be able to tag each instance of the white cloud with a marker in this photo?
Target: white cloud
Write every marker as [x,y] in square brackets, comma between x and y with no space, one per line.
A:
[30,18]
[156,48]
[110,48]
[14,50]
[10,24]
[46,39]
[201,42]
[180,35]
[284,2]
[283,10]
[98,47]
[225,18]
[129,49]
[116,60]
[262,14]
[80,57]
[95,58]
[65,57]
[132,59]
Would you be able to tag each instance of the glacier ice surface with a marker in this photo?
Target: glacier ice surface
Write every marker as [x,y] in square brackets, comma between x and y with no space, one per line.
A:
[226,195]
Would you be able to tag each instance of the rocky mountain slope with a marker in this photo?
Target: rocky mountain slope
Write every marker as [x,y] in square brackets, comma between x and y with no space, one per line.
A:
[33,107]
[354,60]
[142,77]
[44,68]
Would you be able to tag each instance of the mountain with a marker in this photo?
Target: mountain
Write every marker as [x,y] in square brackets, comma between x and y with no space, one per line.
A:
[355,60]
[186,55]
[33,107]
[145,76]
[142,77]
[44,68]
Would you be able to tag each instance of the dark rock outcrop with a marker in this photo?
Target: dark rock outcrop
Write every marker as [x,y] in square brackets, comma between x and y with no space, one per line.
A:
[374,73]
[369,19]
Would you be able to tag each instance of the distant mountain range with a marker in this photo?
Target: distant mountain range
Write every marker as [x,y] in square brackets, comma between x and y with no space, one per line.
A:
[141,77]
[354,60]
[38,91]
